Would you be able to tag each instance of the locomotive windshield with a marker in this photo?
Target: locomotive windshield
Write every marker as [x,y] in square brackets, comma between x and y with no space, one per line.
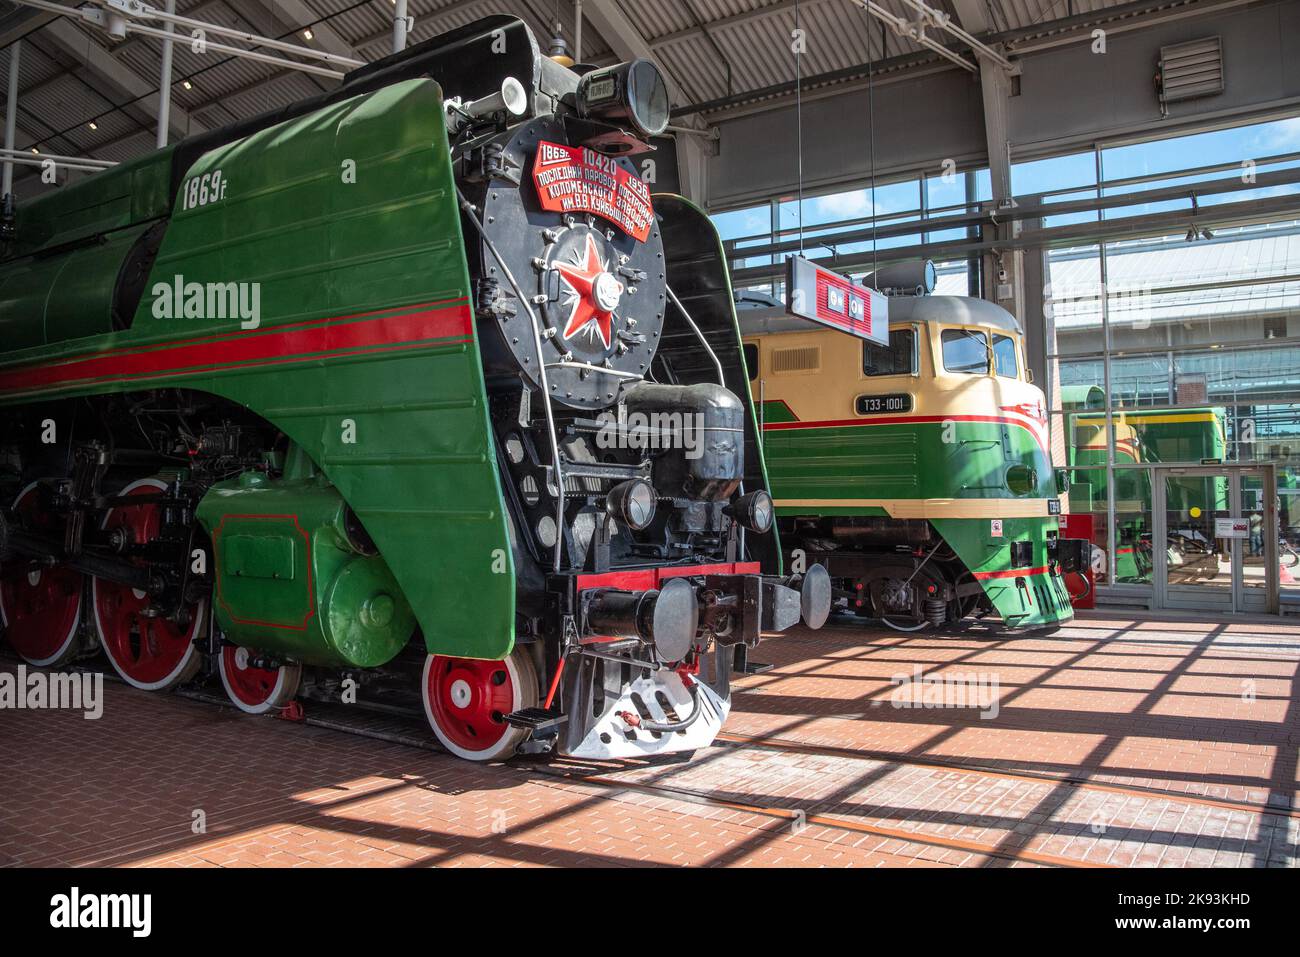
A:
[1004,356]
[966,350]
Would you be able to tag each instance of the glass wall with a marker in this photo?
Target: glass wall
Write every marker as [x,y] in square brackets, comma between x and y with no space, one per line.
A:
[911,199]
[1191,338]
[1186,331]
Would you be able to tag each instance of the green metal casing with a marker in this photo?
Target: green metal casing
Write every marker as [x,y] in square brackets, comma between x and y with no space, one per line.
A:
[930,460]
[291,582]
[366,354]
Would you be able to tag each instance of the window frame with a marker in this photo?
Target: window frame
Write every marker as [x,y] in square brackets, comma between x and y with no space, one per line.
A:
[915,371]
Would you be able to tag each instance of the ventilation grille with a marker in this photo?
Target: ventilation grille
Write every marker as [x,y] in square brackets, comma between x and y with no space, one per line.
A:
[1191,70]
[802,359]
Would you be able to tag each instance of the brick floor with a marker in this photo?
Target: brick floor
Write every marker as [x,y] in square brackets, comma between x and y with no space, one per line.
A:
[1115,743]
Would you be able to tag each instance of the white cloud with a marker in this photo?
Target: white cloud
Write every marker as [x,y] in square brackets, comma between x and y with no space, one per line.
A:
[851,205]
[1283,135]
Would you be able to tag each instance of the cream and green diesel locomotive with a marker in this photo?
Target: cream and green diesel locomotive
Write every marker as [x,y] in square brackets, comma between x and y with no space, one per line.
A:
[320,399]
[917,471]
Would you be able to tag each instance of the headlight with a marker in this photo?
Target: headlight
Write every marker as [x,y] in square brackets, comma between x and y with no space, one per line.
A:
[632,503]
[1021,479]
[755,511]
[633,92]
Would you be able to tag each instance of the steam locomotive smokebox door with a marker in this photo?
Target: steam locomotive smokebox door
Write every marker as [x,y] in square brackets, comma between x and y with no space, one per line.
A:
[577,232]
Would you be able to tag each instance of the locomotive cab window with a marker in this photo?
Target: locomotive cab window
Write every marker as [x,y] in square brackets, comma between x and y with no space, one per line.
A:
[965,350]
[751,360]
[897,358]
[1004,357]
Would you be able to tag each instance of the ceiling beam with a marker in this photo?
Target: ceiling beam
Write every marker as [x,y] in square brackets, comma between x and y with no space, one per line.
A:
[723,23]
[268,22]
[125,82]
[296,13]
[193,12]
[541,28]
[20,21]
[973,15]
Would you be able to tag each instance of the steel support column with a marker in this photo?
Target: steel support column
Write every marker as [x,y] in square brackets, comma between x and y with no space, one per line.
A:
[165,80]
[1003,269]
[400,26]
[11,116]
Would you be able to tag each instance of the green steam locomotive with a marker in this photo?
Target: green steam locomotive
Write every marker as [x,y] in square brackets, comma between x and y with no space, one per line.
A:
[412,385]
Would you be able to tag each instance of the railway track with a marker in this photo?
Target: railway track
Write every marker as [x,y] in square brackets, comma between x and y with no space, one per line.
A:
[940,764]
[613,781]
[831,821]
[399,732]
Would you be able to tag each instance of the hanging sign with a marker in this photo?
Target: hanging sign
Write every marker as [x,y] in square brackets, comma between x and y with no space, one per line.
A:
[837,301]
[1231,528]
[575,179]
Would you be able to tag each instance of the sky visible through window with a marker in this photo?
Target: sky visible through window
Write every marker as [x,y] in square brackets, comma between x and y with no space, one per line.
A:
[1206,308]
[900,201]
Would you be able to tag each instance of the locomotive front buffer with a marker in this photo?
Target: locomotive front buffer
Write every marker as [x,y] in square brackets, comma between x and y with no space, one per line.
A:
[648,653]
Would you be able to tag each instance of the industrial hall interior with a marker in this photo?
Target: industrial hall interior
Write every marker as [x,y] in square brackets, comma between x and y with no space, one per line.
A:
[650,433]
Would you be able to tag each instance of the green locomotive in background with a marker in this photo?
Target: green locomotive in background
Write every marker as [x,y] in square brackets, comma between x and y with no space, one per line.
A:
[1145,436]
[326,397]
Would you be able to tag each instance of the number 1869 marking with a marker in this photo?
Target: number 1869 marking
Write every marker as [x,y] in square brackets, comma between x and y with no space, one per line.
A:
[202,190]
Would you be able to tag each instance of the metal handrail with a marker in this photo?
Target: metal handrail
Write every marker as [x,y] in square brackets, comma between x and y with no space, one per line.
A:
[543,382]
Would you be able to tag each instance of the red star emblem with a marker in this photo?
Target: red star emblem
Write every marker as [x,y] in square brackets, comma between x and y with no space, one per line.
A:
[582,278]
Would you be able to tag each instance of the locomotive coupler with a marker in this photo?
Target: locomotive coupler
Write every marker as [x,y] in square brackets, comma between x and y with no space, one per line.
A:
[1070,554]
[665,618]
[688,612]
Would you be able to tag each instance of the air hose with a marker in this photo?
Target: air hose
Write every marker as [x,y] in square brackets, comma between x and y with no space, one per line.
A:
[636,721]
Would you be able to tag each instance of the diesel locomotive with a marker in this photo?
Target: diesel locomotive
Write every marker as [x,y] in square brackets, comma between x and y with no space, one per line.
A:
[917,471]
[1087,455]
[412,385]
[1149,436]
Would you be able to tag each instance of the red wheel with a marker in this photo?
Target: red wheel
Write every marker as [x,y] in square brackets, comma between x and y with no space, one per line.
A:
[40,607]
[257,690]
[148,651]
[466,701]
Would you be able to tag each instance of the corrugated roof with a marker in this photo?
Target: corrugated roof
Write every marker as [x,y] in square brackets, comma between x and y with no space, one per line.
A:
[711,48]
